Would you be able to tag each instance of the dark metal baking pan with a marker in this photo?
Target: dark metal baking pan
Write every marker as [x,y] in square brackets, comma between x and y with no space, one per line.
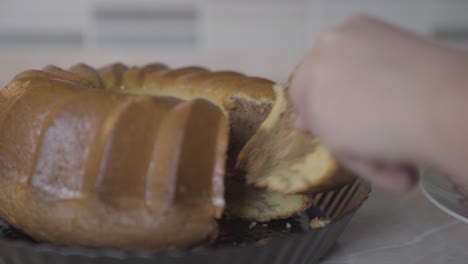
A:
[291,245]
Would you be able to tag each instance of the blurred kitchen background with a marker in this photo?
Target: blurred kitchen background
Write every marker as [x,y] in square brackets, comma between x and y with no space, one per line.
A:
[259,37]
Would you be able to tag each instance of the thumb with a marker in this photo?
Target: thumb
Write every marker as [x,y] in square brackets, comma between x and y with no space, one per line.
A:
[391,177]
[301,125]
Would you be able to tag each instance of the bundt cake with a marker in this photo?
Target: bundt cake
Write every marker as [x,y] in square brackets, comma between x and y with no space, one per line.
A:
[135,157]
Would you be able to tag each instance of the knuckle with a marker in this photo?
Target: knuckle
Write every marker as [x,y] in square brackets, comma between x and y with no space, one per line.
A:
[329,38]
[358,19]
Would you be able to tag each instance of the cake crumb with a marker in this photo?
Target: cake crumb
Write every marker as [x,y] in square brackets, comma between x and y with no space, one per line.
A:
[265,225]
[288,226]
[318,223]
[264,241]
[252,225]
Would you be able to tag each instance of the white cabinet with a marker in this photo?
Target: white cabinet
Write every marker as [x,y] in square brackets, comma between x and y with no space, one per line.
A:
[44,14]
[45,25]
[441,19]
[451,21]
[415,15]
[242,26]
[276,27]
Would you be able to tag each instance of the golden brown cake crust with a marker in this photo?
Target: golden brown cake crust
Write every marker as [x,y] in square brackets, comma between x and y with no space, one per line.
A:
[238,94]
[89,167]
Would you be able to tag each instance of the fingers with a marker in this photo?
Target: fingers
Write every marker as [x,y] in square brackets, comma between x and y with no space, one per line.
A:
[301,125]
[298,92]
[390,177]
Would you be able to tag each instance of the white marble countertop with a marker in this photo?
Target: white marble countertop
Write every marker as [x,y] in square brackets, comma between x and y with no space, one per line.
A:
[392,228]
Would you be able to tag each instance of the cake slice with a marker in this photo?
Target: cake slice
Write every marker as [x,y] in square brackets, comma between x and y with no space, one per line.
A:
[282,159]
[253,204]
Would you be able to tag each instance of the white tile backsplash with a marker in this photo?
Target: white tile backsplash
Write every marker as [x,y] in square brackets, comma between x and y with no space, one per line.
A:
[43,15]
[265,37]
[255,26]
[413,15]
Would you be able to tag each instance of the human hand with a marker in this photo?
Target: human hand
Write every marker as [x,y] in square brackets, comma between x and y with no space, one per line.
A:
[363,90]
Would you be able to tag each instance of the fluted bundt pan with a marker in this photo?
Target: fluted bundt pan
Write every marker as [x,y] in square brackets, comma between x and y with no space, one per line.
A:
[297,246]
